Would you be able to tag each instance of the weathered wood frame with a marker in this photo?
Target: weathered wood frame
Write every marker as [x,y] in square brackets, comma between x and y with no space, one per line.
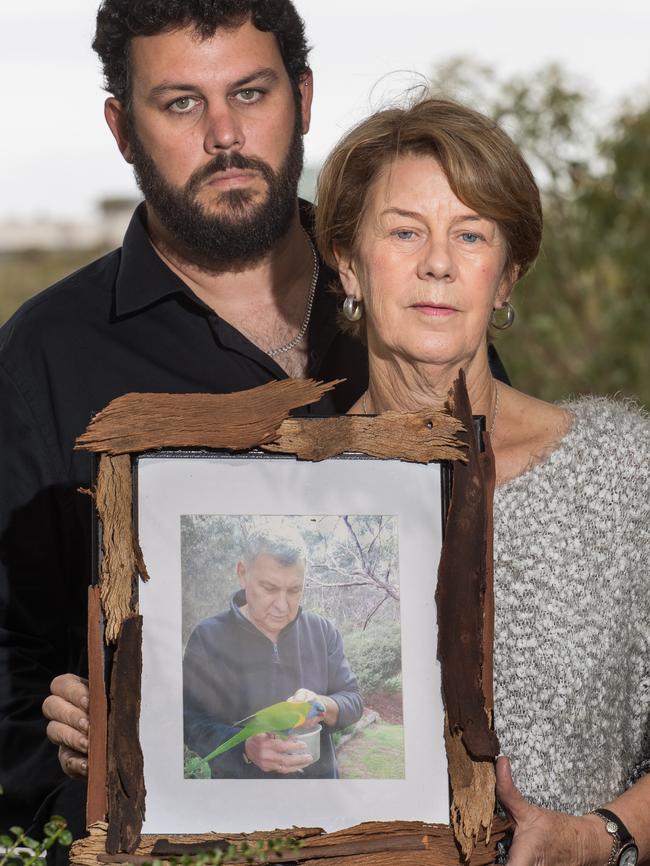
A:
[259,418]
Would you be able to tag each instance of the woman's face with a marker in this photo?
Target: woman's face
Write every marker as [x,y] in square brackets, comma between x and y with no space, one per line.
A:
[428,268]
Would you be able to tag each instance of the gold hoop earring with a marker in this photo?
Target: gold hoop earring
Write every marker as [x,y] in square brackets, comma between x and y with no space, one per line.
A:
[503,324]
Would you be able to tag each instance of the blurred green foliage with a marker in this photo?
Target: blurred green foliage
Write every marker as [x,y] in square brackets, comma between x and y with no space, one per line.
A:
[18,849]
[583,313]
[194,767]
[375,656]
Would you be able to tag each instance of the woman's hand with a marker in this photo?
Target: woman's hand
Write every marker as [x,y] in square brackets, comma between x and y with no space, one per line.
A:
[546,838]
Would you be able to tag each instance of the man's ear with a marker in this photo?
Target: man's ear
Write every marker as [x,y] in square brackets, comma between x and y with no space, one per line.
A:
[348,273]
[115,114]
[306,88]
[241,574]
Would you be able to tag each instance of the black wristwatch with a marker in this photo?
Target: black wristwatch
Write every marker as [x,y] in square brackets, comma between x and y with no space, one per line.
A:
[624,850]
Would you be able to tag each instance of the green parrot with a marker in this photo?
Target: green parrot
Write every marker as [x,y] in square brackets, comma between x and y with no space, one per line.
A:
[279,719]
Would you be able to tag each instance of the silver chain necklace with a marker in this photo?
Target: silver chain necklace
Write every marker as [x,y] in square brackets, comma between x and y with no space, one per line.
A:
[287,347]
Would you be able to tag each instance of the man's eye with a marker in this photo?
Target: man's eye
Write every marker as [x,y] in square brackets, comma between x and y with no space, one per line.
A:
[249,95]
[183,104]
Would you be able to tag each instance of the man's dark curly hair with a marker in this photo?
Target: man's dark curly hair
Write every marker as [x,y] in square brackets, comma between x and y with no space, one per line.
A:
[118,21]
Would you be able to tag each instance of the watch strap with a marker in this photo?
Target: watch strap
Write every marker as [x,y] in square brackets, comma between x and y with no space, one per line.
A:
[624,835]
[622,838]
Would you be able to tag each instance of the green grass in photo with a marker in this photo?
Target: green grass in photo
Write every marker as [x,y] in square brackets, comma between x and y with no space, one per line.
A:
[377,752]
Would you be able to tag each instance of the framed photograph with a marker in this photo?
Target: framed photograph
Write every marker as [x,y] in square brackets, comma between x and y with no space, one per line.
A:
[270,578]
[264,656]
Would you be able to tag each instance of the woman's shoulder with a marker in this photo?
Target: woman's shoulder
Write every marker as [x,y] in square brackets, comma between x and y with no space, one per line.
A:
[526,432]
[593,432]
[612,436]
[618,421]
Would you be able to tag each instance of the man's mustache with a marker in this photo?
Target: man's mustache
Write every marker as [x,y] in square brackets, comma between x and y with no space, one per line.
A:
[225,162]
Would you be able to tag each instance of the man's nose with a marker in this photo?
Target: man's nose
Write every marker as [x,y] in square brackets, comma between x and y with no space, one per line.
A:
[282,602]
[224,130]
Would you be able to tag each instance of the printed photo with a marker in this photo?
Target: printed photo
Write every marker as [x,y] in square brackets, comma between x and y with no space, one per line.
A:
[291,647]
[289,670]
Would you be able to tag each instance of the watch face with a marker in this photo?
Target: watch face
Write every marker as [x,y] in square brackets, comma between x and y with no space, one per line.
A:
[628,856]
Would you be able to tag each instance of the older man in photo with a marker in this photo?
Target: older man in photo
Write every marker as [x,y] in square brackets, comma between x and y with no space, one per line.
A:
[262,650]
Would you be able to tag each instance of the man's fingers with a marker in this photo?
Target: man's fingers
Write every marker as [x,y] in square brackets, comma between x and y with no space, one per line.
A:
[293,763]
[292,756]
[303,695]
[64,735]
[508,794]
[299,696]
[59,710]
[289,746]
[71,688]
[73,763]
[282,756]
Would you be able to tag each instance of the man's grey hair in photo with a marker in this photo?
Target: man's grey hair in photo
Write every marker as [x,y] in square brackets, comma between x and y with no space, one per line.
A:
[285,545]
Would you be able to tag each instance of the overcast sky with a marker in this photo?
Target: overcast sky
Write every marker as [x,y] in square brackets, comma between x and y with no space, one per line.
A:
[58,158]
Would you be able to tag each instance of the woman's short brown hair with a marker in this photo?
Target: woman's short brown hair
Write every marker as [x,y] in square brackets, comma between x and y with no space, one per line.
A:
[484,168]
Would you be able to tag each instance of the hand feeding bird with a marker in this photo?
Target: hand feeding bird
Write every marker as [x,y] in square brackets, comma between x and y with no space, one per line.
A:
[282,719]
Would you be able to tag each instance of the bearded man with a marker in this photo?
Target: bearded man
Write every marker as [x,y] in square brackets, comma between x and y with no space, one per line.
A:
[217,288]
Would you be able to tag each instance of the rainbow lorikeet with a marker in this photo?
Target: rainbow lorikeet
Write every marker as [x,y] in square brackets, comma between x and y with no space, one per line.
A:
[278,719]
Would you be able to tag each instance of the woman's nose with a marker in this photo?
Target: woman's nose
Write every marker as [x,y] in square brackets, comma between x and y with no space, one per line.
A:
[436,261]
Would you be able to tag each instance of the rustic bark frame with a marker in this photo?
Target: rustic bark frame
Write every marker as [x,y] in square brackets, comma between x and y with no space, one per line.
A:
[260,419]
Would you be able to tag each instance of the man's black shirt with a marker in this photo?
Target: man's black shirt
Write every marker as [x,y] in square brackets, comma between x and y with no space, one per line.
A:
[124,323]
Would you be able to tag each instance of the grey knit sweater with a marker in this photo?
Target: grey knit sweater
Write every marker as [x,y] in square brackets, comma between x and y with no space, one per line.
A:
[572,588]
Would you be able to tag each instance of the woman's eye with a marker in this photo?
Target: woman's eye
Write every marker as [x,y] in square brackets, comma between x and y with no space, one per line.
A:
[404,234]
[470,237]
[183,104]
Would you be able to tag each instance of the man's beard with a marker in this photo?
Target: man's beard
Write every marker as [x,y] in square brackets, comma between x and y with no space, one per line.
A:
[242,233]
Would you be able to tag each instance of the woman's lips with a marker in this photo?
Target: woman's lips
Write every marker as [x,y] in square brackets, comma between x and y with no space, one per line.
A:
[436,310]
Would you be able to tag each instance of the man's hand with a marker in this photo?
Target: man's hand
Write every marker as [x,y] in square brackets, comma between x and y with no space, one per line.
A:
[546,838]
[271,754]
[331,707]
[67,710]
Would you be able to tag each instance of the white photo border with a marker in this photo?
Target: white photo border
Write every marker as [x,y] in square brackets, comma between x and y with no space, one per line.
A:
[169,484]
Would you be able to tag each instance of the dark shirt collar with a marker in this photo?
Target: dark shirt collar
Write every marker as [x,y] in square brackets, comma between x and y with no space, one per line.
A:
[143,278]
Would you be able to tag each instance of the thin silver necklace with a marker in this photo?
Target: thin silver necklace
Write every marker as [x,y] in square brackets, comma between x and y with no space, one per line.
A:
[287,347]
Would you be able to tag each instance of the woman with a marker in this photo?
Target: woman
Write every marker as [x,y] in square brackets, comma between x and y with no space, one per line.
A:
[431,216]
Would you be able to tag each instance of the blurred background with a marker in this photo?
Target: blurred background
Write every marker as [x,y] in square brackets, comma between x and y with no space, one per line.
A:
[570,81]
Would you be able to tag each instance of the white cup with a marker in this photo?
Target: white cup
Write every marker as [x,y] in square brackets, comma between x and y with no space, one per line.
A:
[311,740]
